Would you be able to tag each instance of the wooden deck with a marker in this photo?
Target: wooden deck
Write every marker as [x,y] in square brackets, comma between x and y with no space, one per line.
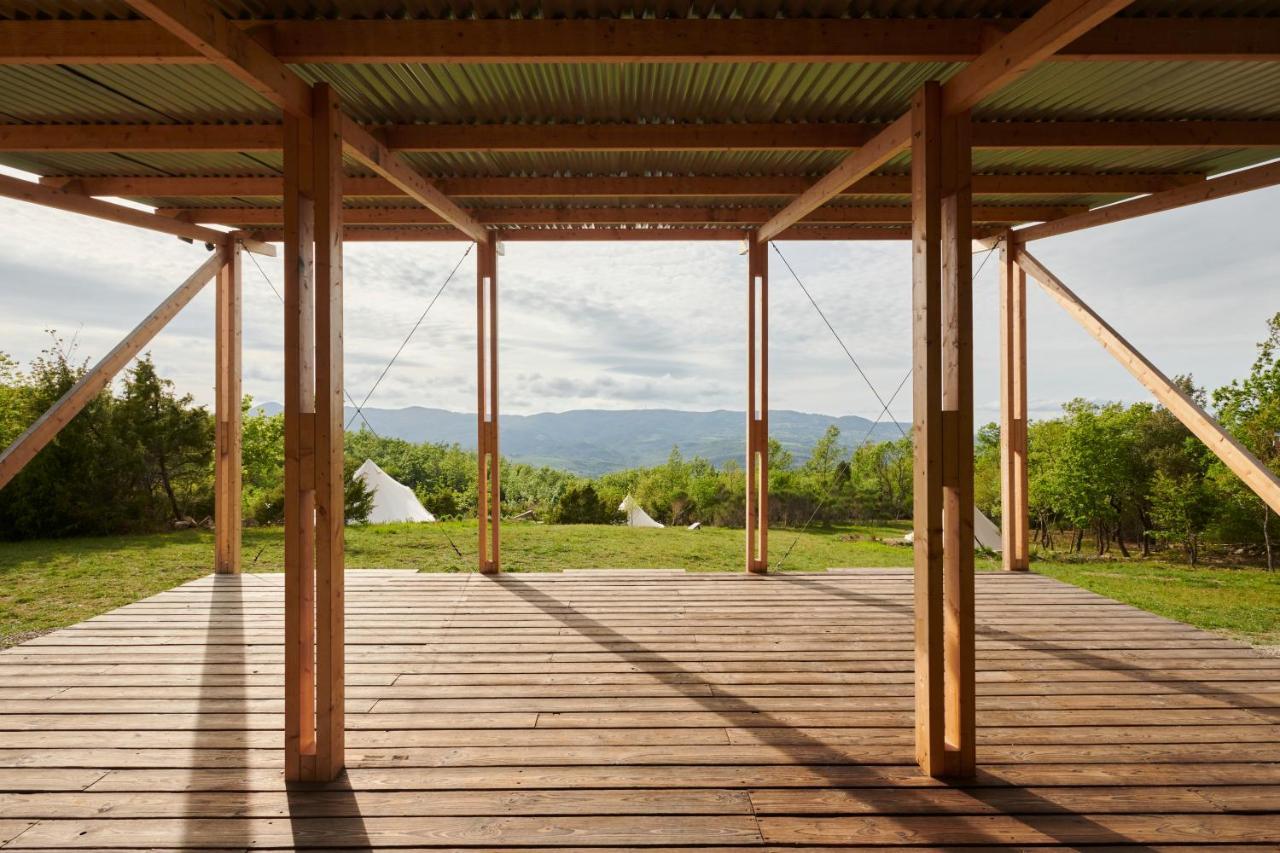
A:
[588,710]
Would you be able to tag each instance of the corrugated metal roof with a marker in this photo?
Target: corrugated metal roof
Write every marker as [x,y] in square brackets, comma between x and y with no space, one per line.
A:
[639,92]
[443,9]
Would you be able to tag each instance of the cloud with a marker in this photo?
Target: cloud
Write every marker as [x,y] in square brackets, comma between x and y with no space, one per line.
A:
[622,325]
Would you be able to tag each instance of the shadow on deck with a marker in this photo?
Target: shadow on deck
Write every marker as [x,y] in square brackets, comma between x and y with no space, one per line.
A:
[596,710]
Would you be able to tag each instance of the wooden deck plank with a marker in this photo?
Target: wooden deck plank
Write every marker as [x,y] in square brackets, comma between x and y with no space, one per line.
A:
[638,709]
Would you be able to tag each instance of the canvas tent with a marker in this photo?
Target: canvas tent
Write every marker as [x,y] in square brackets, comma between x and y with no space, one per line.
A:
[985,533]
[636,516]
[392,500]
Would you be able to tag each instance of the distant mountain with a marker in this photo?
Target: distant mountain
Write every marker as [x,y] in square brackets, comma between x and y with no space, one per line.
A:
[595,441]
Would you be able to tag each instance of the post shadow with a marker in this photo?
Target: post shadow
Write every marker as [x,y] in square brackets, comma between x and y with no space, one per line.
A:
[981,788]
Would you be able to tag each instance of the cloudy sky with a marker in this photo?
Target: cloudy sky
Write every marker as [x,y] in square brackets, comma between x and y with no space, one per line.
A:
[647,325]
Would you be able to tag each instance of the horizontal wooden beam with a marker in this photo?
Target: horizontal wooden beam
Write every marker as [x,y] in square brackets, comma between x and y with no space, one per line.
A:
[611,41]
[1227,185]
[48,425]
[1234,455]
[639,137]
[500,216]
[425,234]
[712,186]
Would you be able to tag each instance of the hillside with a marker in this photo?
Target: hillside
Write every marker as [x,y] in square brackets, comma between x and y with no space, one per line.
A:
[594,441]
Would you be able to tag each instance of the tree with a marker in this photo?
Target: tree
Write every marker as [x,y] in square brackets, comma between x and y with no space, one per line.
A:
[579,504]
[173,441]
[1250,411]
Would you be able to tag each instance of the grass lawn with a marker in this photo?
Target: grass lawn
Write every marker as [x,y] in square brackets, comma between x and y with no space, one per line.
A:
[49,584]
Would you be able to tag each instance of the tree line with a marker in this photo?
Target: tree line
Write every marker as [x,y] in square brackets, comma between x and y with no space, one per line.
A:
[1128,477]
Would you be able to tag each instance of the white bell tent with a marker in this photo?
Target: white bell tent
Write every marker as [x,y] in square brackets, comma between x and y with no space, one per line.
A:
[392,500]
[636,516]
[986,533]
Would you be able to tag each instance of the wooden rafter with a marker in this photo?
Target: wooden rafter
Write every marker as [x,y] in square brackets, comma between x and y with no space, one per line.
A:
[816,136]
[830,215]
[1234,455]
[49,424]
[688,186]
[74,202]
[678,40]
[369,152]
[1056,24]
[205,28]
[1227,185]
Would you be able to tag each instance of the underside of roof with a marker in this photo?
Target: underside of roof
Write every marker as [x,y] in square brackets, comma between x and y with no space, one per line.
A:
[501,120]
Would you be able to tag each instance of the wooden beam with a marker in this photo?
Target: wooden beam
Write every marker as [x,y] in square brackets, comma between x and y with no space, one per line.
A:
[488,456]
[1223,187]
[299,454]
[72,202]
[228,509]
[139,137]
[371,153]
[1015,527]
[1056,23]
[1233,454]
[583,215]
[422,234]
[330,491]
[482,41]
[1052,27]
[605,187]
[49,424]
[757,462]
[204,28]
[816,136]
[927,427]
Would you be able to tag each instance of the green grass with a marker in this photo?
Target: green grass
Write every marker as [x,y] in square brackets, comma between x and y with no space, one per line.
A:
[52,583]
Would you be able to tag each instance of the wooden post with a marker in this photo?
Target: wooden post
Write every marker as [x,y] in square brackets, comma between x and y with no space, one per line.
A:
[488,482]
[1015,528]
[299,450]
[1264,483]
[942,351]
[326,124]
[26,446]
[957,454]
[757,462]
[926,348]
[227,478]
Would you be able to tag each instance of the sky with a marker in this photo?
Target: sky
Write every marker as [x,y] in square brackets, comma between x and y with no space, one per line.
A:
[663,325]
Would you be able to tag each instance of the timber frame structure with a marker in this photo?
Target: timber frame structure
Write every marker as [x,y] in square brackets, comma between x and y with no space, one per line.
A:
[287,127]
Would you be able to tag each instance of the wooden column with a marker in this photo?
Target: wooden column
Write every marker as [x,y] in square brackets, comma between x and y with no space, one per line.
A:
[757,467]
[314,487]
[942,350]
[299,450]
[488,482]
[1015,525]
[227,478]
[330,491]
[957,454]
